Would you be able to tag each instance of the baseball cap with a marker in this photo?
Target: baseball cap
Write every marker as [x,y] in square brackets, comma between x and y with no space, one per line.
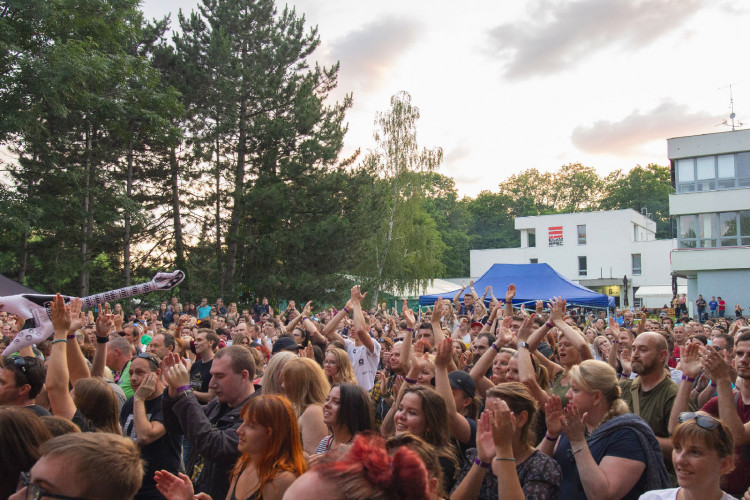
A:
[477,323]
[461,380]
[285,344]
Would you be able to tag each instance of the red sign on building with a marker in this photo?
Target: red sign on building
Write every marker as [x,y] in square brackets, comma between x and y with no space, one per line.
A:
[555,236]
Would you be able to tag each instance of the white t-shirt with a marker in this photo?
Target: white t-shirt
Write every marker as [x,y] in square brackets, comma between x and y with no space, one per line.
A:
[671,494]
[364,362]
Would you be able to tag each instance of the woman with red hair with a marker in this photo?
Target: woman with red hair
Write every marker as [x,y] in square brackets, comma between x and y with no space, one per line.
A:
[271,455]
[365,472]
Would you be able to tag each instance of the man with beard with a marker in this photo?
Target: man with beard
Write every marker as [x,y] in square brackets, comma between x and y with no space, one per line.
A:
[652,393]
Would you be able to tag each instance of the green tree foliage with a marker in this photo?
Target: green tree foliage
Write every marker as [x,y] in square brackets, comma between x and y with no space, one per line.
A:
[642,187]
[405,247]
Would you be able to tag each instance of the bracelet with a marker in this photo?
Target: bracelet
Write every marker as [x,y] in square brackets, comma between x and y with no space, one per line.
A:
[689,379]
[70,337]
[102,340]
[548,324]
[59,340]
[579,449]
[713,384]
[346,310]
[409,329]
[409,381]
[509,459]
[483,465]
[522,344]
[495,347]
[550,438]
[183,388]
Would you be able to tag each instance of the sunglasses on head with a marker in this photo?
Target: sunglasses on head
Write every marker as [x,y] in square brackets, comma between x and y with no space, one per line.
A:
[147,357]
[20,363]
[704,421]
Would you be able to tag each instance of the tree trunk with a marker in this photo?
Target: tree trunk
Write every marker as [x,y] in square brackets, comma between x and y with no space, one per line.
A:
[179,245]
[219,273]
[233,234]
[387,247]
[88,227]
[126,235]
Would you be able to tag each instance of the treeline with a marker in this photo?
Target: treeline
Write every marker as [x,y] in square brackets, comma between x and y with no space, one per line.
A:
[216,151]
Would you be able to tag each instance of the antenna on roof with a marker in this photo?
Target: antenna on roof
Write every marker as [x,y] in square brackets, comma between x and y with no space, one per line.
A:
[732,114]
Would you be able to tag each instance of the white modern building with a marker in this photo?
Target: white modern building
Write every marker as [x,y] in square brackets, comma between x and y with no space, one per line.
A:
[711,175]
[598,250]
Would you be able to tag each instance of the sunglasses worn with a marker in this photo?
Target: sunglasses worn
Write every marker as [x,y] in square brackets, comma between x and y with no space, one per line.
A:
[35,492]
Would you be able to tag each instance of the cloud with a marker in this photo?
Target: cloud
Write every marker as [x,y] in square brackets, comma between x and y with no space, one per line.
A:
[456,157]
[368,54]
[560,34]
[669,119]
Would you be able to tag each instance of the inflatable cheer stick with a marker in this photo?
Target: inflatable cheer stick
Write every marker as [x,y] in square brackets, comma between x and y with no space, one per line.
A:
[35,308]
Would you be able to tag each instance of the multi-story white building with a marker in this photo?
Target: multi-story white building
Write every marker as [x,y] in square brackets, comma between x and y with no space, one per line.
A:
[595,249]
[711,175]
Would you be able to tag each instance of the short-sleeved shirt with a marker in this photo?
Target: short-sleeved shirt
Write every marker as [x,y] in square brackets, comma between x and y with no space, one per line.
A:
[539,476]
[712,305]
[364,362]
[200,375]
[737,481]
[204,312]
[124,381]
[622,443]
[671,494]
[164,453]
[655,405]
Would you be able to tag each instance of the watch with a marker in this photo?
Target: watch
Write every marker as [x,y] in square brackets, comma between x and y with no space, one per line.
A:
[522,344]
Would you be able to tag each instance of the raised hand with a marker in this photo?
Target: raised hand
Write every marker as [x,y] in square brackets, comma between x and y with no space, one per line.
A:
[467,358]
[437,310]
[174,487]
[526,328]
[60,315]
[690,361]
[104,321]
[717,366]
[307,309]
[552,415]
[357,295]
[485,443]
[503,425]
[444,353]
[510,293]
[146,388]
[573,423]
[77,317]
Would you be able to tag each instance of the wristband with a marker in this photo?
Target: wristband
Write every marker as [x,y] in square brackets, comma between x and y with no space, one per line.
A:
[522,344]
[183,388]
[509,459]
[495,347]
[102,340]
[70,337]
[689,379]
[483,465]
[579,449]
[59,340]
[410,330]
[409,381]
[549,325]
[713,384]
[550,438]
[346,310]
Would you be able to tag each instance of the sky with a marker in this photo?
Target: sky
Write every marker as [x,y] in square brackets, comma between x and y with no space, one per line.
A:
[504,86]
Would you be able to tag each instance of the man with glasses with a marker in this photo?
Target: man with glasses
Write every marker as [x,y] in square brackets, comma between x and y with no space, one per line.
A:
[142,420]
[21,380]
[83,465]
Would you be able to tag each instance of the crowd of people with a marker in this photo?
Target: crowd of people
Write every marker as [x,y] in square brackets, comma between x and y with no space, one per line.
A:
[469,398]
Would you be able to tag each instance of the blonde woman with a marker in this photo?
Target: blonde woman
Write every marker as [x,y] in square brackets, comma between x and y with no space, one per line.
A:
[603,450]
[338,367]
[306,386]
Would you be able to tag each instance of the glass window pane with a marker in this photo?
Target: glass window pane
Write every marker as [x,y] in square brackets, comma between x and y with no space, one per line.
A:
[745,223]
[743,165]
[708,224]
[636,263]
[729,242]
[688,226]
[728,224]
[687,244]
[706,167]
[685,171]
[582,234]
[726,166]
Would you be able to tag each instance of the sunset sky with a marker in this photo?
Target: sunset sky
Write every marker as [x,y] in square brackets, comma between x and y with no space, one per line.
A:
[508,85]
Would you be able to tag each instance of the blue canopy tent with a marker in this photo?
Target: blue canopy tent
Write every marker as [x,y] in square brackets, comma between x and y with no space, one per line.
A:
[533,282]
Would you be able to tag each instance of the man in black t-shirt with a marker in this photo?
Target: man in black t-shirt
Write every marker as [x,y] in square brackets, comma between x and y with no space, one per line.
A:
[142,421]
[206,341]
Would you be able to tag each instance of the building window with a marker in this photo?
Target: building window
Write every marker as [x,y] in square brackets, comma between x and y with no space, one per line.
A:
[582,266]
[532,240]
[637,302]
[533,261]
[636,264]
[582,234]
[725,229]
[711,173]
